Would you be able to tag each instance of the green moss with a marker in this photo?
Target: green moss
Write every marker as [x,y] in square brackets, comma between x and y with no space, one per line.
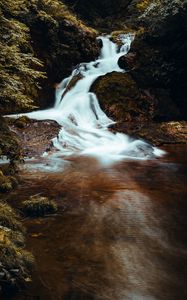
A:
[9,146]
[15,267]
[15,262]
[21,122]
[9,218]
[121,98]
[5,183]
[38,206]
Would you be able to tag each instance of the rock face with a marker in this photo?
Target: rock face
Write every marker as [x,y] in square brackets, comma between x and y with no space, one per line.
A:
[159,56]
[61,43]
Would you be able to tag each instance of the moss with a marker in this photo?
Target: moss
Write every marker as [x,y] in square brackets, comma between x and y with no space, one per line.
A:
[9,145]
[5,183]
[15,262]
[15,267]
[142,5]
[121,98]
[9,218]
[38,206]
[21,122]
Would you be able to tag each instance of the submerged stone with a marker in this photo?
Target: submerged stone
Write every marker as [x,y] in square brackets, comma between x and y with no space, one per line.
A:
[38,206]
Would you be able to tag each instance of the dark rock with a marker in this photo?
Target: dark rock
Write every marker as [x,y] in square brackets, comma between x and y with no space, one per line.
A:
[127,62]
[121,98]
[38,206]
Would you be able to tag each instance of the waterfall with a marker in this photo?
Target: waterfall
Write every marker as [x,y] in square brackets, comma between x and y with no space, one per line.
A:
[84,125]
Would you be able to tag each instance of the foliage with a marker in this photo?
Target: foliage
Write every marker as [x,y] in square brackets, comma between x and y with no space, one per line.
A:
[18,65]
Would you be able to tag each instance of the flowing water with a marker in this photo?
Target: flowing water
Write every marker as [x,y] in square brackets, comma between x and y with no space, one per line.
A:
[120,232]
[84,125]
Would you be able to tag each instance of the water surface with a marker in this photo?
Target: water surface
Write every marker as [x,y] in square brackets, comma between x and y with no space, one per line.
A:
[120,233]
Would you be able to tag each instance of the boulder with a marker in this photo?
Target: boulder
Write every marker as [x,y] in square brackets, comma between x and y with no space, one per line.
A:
[121,98]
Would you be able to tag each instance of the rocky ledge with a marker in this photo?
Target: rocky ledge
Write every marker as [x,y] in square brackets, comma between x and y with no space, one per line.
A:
[34,137]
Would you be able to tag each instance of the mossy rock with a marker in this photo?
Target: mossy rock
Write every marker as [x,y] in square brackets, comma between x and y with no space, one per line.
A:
[38,207]
[121,98]
[21,122]
[15,262]
[15,266]
[9,145]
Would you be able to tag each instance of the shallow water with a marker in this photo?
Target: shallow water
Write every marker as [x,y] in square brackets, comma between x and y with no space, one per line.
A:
[120,233]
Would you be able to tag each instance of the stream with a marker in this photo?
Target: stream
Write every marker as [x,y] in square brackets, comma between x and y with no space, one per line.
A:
[120,232]
[85,128]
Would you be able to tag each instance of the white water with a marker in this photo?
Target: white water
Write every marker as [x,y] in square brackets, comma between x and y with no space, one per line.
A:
[84,125]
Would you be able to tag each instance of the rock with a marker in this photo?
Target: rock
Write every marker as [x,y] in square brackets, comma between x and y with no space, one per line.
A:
[161,55]
[121,98]
[156,133]
[21,122]
[127,62]
[16,263]
[38,206]
[35,137]
[9,146]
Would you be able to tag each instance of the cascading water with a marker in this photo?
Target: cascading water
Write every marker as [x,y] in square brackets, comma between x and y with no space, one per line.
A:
[84,125]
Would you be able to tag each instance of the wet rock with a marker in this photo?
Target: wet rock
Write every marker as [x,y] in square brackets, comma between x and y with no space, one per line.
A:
[35,137]
[156,133]
[38,206]
[127,62]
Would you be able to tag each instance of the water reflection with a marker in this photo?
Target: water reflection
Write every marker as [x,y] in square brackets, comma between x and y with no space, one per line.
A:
[120,233]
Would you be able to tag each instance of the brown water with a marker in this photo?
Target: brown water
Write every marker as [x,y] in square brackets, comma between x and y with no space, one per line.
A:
[120,233]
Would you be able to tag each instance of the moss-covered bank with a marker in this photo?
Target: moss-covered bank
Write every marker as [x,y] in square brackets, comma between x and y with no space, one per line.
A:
[15,262]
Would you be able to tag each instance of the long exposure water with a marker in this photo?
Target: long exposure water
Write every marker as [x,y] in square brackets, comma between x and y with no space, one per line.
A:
[120,232]
[84,125]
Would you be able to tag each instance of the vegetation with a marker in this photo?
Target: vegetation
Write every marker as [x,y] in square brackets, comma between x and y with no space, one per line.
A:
[15,262]
[19,74]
